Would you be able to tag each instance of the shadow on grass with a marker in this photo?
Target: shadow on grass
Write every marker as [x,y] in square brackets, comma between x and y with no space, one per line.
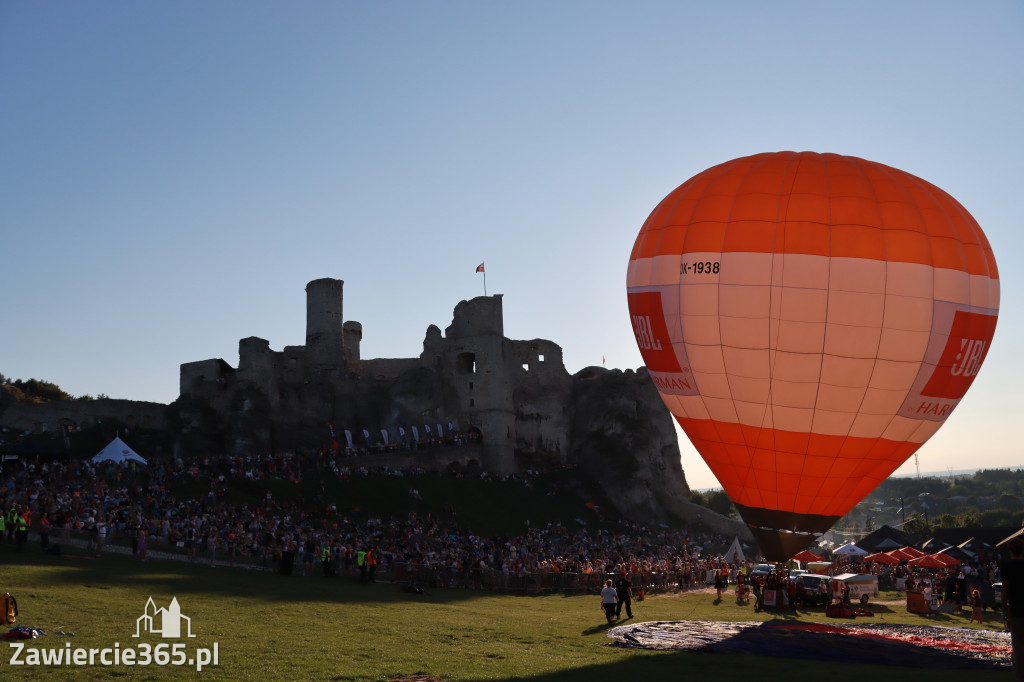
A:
[198,578]
[746,667]
[599,628]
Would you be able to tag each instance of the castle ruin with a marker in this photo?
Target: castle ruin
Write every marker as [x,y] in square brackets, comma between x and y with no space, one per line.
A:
[511,403]
[511,395]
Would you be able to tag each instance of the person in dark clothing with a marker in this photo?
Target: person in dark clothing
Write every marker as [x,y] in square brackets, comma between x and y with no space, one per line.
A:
[623,596]
[1013,602]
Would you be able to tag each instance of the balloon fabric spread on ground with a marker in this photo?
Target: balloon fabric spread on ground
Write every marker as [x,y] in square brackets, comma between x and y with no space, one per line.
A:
[810,320]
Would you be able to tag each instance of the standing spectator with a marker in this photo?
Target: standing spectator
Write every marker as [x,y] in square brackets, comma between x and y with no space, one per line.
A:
[976,605]
[190,541]
[623,596]
[1013,602]
[44,531]
[608,596]
[140,542]
[21,535]
[101,534]
[372,558]
[719,584]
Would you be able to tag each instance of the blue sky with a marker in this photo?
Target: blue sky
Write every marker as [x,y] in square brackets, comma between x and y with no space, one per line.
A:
[172,174]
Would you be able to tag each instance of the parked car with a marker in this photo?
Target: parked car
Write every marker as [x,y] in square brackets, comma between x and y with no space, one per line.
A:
[762,571]
[811,586]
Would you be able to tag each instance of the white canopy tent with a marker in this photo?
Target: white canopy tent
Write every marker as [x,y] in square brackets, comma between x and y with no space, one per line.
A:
[735,553]
[118,451]
[850,549]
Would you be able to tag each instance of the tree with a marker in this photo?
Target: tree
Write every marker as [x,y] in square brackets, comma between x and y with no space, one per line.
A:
[698,497]
[1011,502]
[919,527]
[37,391]
[719,501]
[999,517]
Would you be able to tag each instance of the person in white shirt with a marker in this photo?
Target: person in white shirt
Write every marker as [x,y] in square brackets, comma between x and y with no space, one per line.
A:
[608,595]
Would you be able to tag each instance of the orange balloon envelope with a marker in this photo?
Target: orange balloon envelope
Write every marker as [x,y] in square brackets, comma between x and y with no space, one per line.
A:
[810,320]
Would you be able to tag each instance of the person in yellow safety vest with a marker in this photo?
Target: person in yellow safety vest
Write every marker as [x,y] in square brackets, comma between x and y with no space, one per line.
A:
[12,522]
[361,563]
[325,558]
[21,536]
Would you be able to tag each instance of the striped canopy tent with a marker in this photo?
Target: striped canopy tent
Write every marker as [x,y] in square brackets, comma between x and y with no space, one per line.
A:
[882,558]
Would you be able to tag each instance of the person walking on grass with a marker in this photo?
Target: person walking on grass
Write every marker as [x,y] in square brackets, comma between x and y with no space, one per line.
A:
[623,596]
[608,596]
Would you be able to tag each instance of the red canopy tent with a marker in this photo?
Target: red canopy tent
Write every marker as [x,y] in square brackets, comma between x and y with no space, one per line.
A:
[900,555]
[882,558]
[806,555]
[912,551]
[927,561]
[946,559]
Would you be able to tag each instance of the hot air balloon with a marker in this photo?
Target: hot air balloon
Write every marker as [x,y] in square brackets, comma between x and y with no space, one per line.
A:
[810,320]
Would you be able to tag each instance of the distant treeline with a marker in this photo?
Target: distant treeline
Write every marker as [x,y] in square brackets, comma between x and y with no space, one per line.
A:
[988,498]
[35,391]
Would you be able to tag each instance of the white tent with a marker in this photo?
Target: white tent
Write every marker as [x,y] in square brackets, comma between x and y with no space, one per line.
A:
[735,553]
[850,549]
[118,451]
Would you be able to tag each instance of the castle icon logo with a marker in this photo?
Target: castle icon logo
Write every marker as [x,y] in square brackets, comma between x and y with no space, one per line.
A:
[164,622]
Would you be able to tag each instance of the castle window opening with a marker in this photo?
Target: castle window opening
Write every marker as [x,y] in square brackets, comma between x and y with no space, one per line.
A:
[526,367]
[540,358]
[471,385]
[467,363]
[472,402]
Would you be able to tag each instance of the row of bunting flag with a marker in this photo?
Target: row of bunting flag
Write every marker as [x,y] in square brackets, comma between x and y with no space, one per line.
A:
[403,437]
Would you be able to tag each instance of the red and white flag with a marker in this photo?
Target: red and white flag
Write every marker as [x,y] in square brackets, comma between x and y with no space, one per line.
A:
[480,268]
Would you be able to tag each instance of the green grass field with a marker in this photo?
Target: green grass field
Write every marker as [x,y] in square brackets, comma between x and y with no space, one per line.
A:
[271,627]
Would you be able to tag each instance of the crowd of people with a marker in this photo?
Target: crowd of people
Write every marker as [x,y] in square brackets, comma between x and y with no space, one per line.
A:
[107,503]
[133,505]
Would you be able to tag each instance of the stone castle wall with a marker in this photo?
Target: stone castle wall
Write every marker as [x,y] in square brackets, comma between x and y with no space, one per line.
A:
[39,417]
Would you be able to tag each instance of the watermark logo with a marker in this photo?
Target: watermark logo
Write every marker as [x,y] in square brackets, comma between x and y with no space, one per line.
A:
[167,623]
[164,622]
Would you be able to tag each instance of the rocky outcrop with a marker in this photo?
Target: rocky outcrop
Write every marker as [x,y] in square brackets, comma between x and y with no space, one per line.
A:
[623,435]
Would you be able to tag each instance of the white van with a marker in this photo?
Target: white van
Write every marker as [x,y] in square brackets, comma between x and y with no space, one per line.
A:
[862,585]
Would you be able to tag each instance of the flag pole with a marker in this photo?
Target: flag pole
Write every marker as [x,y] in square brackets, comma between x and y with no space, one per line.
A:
[480,268]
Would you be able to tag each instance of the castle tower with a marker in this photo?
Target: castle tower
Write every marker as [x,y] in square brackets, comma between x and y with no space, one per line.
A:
[484,377]
[325,335]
